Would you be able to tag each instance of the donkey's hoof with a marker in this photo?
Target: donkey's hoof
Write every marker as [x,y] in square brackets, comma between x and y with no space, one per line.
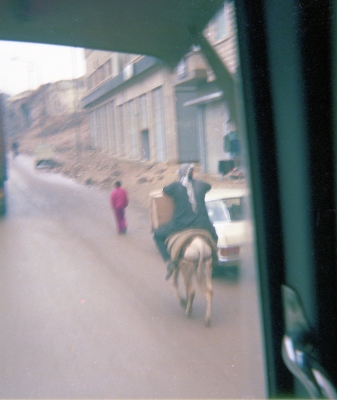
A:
[208,322]
[183,303]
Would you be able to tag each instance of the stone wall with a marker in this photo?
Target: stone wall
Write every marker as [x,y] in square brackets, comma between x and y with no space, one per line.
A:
[43,106]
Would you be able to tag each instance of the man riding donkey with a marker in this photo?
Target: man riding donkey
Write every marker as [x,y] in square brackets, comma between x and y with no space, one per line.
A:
[189,212]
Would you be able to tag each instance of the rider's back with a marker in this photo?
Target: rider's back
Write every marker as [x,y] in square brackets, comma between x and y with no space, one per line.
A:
[183,214]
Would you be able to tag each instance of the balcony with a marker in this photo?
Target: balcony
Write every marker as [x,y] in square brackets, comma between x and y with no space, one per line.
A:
[141,65]
[191,71]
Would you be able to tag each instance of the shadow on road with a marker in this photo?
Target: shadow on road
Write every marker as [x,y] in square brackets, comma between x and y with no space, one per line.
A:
[229,274]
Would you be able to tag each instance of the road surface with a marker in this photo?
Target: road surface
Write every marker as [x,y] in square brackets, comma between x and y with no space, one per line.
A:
[86,313]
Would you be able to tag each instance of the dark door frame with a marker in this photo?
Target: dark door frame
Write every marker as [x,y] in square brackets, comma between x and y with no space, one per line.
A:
[286,60]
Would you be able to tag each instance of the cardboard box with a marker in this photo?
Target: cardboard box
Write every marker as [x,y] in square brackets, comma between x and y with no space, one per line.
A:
[161,208]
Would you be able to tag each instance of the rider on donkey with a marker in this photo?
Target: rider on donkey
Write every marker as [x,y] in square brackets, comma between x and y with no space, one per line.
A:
[190,211]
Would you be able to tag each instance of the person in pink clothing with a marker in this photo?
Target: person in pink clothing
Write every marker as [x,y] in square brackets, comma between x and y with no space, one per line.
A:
[119,201]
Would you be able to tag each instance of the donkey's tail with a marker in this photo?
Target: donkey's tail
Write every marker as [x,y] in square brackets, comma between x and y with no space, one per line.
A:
[205,253]
[201,263]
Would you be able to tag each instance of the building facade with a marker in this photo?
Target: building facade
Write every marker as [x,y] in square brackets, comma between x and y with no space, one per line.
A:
[141,110]
[131,106]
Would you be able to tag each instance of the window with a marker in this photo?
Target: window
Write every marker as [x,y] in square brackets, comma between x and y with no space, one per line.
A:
[182,69]
[220,24]
[143,125]
[104,133]
[132,130]
[159,127]
[122,143]
[111,127]
[143,121]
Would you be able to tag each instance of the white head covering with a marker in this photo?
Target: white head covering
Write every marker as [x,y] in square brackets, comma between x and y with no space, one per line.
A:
[184,179]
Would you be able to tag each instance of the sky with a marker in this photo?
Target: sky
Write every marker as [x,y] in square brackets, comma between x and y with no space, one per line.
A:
[25,66]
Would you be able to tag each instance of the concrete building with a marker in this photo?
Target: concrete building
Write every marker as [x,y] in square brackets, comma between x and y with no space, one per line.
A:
[130,99]
[141,110]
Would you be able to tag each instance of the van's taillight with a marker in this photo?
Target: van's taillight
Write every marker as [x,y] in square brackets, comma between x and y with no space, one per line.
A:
[230,251]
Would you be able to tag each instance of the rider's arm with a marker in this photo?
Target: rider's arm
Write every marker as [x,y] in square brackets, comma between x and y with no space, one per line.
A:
[169,189]
[204,186]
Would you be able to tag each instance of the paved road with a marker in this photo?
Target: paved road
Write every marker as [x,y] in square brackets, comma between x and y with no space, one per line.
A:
[85,313]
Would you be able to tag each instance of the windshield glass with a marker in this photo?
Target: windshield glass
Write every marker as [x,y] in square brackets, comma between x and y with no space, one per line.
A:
[225,210]
[217,211]
[86,310]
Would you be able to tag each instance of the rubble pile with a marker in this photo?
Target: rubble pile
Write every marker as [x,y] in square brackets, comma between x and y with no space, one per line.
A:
[75,158]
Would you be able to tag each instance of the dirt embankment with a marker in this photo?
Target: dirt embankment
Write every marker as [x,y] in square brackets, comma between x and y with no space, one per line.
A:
[76,159]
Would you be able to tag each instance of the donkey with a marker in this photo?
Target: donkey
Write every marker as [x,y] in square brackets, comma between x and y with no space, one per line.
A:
[193,259]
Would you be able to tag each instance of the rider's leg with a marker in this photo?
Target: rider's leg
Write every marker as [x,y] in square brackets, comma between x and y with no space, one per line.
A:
[160,236]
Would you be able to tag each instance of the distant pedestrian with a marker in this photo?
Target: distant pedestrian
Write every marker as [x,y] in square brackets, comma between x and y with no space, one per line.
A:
[15,149]
[119,201]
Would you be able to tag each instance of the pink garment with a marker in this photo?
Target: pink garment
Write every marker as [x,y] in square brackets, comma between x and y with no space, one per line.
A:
[119,198]
[120,220]
[119,201]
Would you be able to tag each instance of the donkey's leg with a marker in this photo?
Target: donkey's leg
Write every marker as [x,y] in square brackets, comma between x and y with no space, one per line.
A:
[188,278]
[181,301]
[209,290]
[190,303]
